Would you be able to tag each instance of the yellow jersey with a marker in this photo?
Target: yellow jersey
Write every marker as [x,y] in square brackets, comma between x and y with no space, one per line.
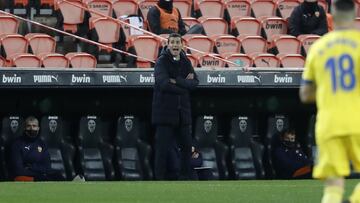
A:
[333,66]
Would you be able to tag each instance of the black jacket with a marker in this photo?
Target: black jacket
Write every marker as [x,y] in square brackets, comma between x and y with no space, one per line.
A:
[172,101]
[303,22]
[153,18]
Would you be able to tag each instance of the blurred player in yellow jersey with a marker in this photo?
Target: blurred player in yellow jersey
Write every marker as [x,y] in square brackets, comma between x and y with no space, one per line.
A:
[332,78]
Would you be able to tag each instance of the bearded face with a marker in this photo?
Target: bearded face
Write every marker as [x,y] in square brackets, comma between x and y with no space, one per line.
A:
[91,126]
[14,125]
[53,125]
[207,126]
[128,124]
[242,125]
[279,124]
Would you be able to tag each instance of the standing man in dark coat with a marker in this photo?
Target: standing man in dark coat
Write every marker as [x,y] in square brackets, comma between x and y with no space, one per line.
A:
[171,111]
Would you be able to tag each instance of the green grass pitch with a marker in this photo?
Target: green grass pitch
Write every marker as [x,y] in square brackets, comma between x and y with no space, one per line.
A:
[267,191]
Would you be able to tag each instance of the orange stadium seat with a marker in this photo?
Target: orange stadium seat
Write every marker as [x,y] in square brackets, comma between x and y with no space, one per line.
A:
[285,7]
[265,60]
[238,8]
[242,60]
[25,60]
[285,44]
[252,44]
[306,41]
[2,62]
[291,60]
[81,60]
[199,42]
[226,44]
[261,8]
[41,43]
[145,46]
[272,26]
[108,31]
[209,61]
[214,26]
[184,7]
[357,8]
[13,44]
[189,22]
[193,59]
[47,2]
[144,7]
[23,3]
[125,7]
[8,25]
[53,60]
[245,26]
[73,16]
[210,8]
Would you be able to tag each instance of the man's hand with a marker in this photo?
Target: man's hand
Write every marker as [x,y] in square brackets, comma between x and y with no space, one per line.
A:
[173,81]
[190,76]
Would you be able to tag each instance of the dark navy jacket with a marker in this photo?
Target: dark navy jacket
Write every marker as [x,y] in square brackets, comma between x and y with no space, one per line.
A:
[30,157]
[171,102]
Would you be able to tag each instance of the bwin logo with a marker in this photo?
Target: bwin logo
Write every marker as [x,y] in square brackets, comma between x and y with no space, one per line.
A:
[283,79]
[45,78]
[273,26]
[81,79]
[147,79]
[216,79]
[11,79]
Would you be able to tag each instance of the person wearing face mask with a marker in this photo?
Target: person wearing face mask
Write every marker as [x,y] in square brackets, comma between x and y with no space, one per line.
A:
[308,18]
[30,158]
[289,159]
[163,18]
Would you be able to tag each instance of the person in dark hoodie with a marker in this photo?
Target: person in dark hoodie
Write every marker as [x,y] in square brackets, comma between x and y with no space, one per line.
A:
[30,158]
[171,110]
[163,18]
[308,18]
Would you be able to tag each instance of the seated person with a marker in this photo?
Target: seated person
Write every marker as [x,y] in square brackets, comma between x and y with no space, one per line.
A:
[165,19]
[308,18]
[30,158]
[289,159]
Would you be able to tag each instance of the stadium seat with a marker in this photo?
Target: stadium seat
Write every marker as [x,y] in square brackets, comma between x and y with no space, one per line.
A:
[95,155]
[245,26]
[291,60]
[209,61]
[12,127]
[285,7]
[13,44]
[213,152]
[214,26]
[209,8]
[54,60]
[265,60]
[184,7]
[8,25]
[193,59]
[237,8]
[284,44]
[145,46]
[2,62]
[275,124]
[261,8]
[144,7]
[245,159]
[25,61]
[189,22]
[125,7]
[40,43]
[131,154]
[306,41]
[242,60]
[20,7]
[71,17]
[53,132]
[226,44]
[252,44]
[199,42]
[272,26]
[81,60]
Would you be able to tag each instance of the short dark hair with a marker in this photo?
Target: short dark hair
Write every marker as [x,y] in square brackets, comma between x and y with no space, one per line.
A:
[344,5]
[174,35]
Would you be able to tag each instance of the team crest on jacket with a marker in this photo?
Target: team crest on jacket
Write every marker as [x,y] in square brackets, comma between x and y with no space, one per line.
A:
[317,14]
[39,149]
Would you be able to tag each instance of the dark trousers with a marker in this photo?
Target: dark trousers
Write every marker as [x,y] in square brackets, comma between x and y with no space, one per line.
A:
[164,139]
